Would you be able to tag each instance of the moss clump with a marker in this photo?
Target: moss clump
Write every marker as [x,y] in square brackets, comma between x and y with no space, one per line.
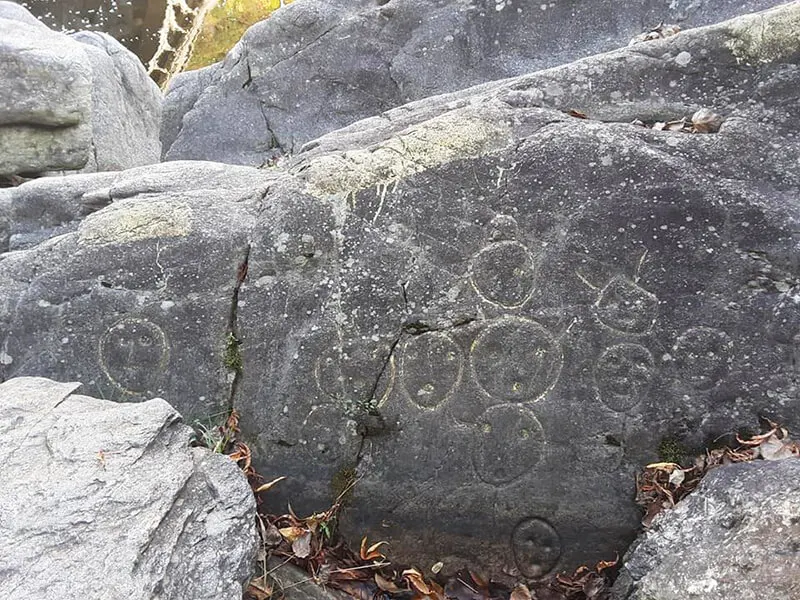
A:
[232,359]
[671,450]
[224,26]
[342,484]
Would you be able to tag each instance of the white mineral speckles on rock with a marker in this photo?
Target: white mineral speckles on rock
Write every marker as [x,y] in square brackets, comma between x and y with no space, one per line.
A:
[683,59]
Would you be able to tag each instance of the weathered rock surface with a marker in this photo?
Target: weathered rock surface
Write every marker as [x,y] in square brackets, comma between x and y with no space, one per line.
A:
[736,536]
[318,65]
[488,309]
[72,102]
[140,295]
[105,500]
[48,206]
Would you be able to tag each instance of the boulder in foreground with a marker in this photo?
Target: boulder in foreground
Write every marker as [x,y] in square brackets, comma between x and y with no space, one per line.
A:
[736,536]
[107,500]
[72,102]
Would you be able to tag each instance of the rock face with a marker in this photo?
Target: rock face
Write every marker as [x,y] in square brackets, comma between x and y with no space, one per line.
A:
[489,309]
[72,102]
[105,500]
[736,536]
[318,65]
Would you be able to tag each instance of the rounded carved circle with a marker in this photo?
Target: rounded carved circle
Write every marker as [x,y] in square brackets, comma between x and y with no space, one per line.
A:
[510,443]
[515,360]
[536,546]
[503,273]
[134,352]
[626,307]
[328,435]
[703,355]
[623,374]
[348,374]
[431,366]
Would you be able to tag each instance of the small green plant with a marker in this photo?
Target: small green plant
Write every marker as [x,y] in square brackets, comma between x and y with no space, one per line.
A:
[217,437]
[232,358]
[671,450]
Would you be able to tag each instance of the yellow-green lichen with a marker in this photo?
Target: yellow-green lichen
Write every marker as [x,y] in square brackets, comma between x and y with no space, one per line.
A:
[448,137]
[766,37]
[224,26]
[135,220]
[342,484]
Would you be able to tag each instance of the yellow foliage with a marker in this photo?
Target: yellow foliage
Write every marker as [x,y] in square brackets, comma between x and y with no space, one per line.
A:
[225,25]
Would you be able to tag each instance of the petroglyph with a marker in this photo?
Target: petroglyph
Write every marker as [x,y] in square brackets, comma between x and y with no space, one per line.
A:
[430,367]
[329,436]
[510,443]
[134,352]
[626,307]
[516,360]
[536,546]
[703,356]
[503,274]
[623,375]
[347,375]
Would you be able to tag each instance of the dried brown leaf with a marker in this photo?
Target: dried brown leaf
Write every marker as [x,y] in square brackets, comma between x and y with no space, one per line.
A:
[372,552]
[301,547]
[521,592]
[480,580]
[268,486]
[386,585]
[290,534]
[417,581]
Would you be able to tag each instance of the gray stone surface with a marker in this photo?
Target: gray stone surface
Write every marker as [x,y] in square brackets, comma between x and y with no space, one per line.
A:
[45,100]
[140,295]
[72,103]
[126,106]
[491,310]
[43,208]
[106,500]
[736,536]
[318,65]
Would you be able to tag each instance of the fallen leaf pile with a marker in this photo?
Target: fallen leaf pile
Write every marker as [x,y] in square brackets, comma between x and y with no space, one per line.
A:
[702,121]
[664,484]
[658,32]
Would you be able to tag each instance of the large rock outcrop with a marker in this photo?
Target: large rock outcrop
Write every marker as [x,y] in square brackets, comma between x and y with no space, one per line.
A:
[318,65]
[487,308]
[736,536]
[78,102]
[106,500]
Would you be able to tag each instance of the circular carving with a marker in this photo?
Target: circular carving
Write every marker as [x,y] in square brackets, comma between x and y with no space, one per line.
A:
[431,365]
[328,435]
[703,355]
[515,360]
[503,273]
[348,374]
[626,307]
[623,374]
[510,443]
[536,546]
[133,354]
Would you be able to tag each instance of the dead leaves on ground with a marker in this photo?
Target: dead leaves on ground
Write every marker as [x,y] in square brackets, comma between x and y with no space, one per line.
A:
[662,485]
[702,121]
[658,32]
